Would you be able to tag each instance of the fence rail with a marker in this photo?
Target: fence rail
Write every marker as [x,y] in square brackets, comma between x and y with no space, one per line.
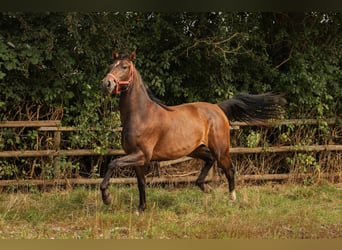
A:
[337,177]
[119,152]
[55,127]
[18,124]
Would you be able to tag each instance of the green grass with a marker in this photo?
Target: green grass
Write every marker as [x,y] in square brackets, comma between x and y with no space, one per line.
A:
[268,212]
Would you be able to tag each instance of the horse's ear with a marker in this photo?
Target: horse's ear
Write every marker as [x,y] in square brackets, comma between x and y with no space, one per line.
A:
[132,56]
[115,55]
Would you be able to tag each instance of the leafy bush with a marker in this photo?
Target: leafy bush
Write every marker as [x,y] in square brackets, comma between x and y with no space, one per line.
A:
[51,65]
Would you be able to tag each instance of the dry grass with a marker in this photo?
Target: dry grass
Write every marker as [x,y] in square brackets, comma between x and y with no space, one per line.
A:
[268,212]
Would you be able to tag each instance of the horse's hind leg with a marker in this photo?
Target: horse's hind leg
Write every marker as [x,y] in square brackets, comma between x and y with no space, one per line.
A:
[229,170]
[203,153]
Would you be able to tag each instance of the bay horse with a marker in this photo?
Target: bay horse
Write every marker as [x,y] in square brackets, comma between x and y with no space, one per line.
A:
[153,131]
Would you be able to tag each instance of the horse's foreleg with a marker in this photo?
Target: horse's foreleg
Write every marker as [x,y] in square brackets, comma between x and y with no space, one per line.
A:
[141,186]
[136,160]
[105,182]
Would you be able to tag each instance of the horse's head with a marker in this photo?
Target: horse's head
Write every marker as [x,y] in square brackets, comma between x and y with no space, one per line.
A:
[120,74]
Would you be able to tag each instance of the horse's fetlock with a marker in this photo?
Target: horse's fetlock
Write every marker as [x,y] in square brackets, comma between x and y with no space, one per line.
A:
[199,183]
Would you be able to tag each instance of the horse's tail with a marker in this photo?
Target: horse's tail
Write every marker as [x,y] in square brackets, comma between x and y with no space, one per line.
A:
[257,108]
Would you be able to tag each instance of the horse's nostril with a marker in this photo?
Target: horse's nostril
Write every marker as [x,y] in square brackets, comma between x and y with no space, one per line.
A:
[108,84]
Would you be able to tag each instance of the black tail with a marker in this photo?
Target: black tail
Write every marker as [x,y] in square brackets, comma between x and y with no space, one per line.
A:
[257,108]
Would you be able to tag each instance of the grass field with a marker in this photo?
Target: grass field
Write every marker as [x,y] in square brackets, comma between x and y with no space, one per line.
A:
[267,212]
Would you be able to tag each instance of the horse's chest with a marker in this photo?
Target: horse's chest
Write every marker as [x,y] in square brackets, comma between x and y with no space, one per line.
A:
[128,139]
[131,139]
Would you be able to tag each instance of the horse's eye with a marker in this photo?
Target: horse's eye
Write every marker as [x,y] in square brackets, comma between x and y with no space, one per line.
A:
[124,66]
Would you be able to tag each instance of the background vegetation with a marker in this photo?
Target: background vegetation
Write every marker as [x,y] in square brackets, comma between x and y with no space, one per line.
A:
[51,65]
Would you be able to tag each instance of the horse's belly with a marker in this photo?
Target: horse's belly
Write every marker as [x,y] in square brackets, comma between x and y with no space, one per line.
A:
[175,148]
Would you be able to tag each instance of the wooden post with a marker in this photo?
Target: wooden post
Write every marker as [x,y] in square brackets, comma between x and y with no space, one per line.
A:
[56,147]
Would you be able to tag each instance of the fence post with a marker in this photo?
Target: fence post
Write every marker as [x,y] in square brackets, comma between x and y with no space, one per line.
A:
[56,147]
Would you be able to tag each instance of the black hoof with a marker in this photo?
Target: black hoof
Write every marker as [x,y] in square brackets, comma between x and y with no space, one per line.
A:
[141,209]
[204,187]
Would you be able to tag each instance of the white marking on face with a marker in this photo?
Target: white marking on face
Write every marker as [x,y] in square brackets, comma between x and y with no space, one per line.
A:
[117,63]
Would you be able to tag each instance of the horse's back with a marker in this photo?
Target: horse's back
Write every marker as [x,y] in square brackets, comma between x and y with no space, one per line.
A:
[208,112]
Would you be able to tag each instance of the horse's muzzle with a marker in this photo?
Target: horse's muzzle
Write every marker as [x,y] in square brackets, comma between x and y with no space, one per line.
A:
[108,86]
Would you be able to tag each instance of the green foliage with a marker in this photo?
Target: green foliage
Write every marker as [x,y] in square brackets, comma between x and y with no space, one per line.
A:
[306,163]
[99,131]
[20,139]
[56,59]
[253,139]
[51,65]
[7,169]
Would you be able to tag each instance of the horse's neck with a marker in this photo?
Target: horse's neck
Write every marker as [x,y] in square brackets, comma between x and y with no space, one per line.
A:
[135,102]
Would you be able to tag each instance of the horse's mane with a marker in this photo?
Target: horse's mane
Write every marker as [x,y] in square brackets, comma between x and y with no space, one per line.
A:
[156,100]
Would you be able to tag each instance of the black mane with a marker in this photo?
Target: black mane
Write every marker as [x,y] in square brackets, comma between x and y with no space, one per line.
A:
[156,100]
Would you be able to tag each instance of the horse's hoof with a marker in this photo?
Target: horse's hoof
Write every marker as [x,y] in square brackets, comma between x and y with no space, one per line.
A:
[204,187]
[140,210]
[107,200]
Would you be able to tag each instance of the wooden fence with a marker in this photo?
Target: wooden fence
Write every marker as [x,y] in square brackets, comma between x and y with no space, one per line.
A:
[55,127]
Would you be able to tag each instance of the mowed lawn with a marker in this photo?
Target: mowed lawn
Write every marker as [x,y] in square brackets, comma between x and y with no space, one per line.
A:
[265,211]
